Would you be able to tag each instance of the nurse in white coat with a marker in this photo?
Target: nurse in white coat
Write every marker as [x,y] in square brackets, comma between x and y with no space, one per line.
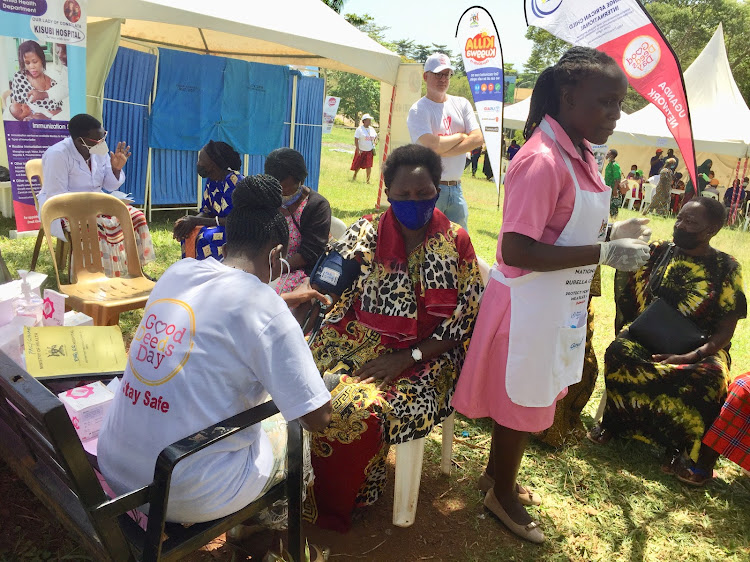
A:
[528,342]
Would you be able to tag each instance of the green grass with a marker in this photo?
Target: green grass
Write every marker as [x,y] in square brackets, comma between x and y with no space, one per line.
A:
[600,503]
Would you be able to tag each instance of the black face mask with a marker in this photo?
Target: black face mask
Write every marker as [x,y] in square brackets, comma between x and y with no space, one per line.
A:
[685,240]
[202,171]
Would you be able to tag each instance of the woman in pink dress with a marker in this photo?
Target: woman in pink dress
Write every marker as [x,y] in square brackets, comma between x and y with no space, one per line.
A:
[528,343]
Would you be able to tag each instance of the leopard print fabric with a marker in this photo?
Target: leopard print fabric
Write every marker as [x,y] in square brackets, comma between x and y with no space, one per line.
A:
[418,400]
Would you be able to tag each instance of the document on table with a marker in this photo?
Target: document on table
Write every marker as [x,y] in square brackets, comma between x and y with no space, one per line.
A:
[58,351]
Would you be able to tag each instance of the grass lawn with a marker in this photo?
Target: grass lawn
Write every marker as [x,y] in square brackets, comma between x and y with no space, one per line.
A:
[600,503]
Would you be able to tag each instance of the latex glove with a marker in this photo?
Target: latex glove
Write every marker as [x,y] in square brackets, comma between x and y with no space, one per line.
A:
[627,254]
[631,228]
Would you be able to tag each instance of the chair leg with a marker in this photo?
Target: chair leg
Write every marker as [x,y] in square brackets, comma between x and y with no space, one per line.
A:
[447,451]
[37,248]
[409,458]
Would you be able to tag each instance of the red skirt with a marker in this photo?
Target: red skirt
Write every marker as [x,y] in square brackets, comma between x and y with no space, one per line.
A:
[362,160]
[730,433]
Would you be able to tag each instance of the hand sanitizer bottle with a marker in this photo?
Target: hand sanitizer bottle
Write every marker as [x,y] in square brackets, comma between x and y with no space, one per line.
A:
[29,308]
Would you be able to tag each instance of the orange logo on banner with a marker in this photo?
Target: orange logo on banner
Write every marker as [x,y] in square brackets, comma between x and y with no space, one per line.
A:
[641,56]
[480,47]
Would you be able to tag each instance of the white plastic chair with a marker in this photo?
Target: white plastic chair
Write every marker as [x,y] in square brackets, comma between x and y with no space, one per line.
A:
[747,215]
[710,194]
[409,457]
[338,227]
[648,195]
[629,198]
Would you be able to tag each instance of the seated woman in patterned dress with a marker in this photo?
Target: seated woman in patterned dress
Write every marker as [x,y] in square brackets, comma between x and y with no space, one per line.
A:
[672,400]
[392,347]
[202,236]
[307,214]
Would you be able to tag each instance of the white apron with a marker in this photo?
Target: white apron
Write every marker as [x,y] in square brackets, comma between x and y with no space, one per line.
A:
[549,309]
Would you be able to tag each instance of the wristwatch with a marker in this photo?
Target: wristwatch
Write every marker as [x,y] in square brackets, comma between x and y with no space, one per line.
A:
[416,354]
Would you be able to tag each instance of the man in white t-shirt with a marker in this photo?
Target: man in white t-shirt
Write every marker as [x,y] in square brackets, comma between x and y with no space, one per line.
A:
[365,138]
[447,125]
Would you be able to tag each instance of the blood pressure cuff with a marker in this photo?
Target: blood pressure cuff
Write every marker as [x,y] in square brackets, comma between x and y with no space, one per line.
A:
[333,274]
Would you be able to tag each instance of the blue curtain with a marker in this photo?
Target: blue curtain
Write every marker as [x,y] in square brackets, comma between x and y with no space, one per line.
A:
[187,109]
[254,103]
[131,79]
[308,134]
[174,179]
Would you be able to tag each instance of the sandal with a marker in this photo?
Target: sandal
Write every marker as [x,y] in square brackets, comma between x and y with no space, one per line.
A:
[695,476]
[599,435]
[530,532]
[525,496]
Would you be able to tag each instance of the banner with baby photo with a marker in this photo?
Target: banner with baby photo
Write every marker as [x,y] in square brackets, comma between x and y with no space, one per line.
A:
[624,30]
[43,74]
[482,54]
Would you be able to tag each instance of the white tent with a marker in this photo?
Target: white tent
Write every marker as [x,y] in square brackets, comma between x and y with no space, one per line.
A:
[297,32]
[514,116]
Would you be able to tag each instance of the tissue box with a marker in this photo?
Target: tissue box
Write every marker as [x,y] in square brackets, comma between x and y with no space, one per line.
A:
[86,406]
[73,318]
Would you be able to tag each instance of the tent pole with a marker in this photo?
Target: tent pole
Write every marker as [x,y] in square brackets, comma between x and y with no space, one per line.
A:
[386,147]
[149,189]
[293,120]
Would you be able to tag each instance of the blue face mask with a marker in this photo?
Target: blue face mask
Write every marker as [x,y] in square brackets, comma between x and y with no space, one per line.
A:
[413,214]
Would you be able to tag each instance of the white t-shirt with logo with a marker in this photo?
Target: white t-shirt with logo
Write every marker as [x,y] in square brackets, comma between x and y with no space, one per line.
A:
[455,115]
[214,341]
[365,138]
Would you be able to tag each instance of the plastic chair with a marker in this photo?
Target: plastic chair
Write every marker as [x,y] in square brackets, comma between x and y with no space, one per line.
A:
[630,199]
[648,195]
[62,250]
[747,215]
[90,291]
[710,194]
[409,457]
[338,227]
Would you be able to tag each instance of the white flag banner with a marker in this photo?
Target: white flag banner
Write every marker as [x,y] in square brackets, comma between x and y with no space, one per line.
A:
[330,109]
[482,54]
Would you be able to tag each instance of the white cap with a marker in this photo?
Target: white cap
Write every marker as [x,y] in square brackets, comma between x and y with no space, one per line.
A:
[367,116]
[437,62]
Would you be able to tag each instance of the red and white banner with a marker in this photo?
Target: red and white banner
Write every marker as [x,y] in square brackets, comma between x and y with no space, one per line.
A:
[482,54]
[624,30]
[330,109]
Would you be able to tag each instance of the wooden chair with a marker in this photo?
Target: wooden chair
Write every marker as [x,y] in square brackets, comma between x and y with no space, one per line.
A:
[90,291]
[61,254]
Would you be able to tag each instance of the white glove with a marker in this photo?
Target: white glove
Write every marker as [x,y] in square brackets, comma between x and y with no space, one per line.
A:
[631,228]
[627,254]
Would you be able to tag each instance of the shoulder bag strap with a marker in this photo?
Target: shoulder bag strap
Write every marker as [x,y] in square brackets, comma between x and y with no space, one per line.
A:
[657,274]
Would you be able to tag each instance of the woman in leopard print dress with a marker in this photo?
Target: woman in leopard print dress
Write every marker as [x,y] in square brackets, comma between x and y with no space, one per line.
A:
[395,342]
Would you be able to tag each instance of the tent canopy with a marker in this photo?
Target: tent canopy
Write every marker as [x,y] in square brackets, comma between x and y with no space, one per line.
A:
[296,32]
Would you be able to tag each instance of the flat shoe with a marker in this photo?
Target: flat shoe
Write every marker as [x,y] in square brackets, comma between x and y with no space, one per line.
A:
[530,532]
[486,482]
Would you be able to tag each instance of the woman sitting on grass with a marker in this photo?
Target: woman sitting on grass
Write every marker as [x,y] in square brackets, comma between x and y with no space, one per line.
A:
[671,400]
[394,344]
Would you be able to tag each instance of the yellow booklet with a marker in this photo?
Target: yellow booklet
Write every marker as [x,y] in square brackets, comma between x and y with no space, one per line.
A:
[55,351]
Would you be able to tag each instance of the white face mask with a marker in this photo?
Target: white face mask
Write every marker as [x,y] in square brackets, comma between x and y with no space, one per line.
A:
[99,148]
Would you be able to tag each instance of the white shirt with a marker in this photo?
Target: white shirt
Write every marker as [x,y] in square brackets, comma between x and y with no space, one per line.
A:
[66,171]
[214,341]
[455,115]
[365,138]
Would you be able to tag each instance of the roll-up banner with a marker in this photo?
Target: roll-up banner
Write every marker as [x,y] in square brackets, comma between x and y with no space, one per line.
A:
[330,108]
[43,60]
[625,31]
[482,54]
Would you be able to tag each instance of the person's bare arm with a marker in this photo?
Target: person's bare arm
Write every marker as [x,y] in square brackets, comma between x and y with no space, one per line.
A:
[526,253]
[439,144]
[467,144]
[319,419]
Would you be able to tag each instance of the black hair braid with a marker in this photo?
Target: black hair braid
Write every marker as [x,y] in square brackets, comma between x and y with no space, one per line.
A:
[575,65]
[223,155]
[255,220]
[284,162]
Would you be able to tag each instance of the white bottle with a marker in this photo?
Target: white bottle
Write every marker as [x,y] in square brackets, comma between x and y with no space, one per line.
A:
[28,308]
